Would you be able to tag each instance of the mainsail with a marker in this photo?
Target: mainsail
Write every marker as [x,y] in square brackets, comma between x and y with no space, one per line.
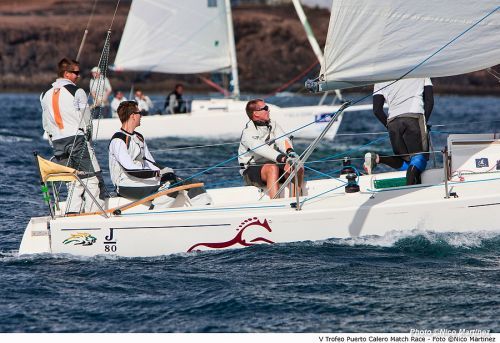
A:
[176,37]
[373,41]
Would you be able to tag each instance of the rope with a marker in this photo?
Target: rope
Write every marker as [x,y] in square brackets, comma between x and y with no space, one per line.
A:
[196,146]
[235,143]
[82,43]
[214,85]
[351,150]
[103,65]
[292,81]
[433,54]
[346,134]
[114,15]
[493,73]
[320,194]
[352,103]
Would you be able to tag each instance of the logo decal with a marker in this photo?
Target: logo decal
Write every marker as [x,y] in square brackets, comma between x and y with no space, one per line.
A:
[239,239]
[482,162]
[80,238]
[322,118]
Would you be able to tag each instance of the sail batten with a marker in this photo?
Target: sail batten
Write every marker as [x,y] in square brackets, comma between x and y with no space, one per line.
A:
[375,41]
[177,37]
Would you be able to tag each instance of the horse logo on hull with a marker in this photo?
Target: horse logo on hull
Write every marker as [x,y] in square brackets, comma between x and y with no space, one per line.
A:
[241,237]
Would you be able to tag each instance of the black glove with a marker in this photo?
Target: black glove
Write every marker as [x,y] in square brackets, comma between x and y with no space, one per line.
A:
[168,177]
[281,158]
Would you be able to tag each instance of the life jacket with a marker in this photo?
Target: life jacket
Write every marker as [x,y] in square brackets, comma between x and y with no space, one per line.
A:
[262,144]
[179,99]
[62,111]
[138,176]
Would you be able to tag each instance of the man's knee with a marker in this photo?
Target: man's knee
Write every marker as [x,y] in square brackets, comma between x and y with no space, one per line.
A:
[270,171]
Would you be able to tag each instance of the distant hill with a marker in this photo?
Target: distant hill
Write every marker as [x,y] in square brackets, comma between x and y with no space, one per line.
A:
[272,47]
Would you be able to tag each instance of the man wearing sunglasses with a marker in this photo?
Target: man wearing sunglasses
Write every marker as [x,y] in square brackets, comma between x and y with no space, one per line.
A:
[66,117]
[133,169]
[266,155]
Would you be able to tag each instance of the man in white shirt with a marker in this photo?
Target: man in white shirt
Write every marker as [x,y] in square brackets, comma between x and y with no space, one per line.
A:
[144,102]
[117,100]
[100,89]
[66,118]
[410,103]
[266,155]
[133,169]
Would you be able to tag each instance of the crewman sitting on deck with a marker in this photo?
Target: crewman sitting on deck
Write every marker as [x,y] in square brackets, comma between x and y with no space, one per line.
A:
[133,169]
[265,154]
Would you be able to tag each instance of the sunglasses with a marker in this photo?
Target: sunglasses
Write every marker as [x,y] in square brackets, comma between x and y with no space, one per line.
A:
[265,108]
[136,113]
[76,72]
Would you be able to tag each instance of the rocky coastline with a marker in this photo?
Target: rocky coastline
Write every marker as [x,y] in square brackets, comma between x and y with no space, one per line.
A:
[272,47]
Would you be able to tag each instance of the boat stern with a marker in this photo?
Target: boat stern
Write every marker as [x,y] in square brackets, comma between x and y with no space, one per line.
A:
[36,238]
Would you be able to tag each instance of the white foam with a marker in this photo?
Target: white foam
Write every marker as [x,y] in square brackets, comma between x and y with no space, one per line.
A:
[454,239]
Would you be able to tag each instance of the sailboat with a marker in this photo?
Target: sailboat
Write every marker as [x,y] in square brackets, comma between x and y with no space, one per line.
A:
[460,196]
[191,37]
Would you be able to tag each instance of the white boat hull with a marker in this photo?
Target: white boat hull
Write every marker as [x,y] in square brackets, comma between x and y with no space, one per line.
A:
[239,218]
[226,118]
[236,225]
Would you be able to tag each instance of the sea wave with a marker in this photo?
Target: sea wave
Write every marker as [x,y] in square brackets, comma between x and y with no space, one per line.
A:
[9,136]
[419,242]
[427,242]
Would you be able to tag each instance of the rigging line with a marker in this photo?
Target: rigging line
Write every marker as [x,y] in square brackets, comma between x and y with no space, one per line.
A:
[320,173]
[266,190]
[103,65]
[195,146]
[493,73]
[114,15]
[463,123]
[323,160]
[212,84]
[246,152]
[77,57]
[82,43]
[354,102]
[104,57]
[292,81]
[355,149]
[435,53]
[234,143]
[323,193]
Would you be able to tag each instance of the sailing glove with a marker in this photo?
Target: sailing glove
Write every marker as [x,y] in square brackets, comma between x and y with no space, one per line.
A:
[293,158]
[168,175]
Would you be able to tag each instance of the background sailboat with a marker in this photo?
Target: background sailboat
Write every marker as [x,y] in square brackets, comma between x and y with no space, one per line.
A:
[179,37]
[189,37]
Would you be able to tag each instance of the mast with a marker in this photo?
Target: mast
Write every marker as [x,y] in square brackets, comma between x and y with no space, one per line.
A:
[310,36]
[307,28]
[232,50]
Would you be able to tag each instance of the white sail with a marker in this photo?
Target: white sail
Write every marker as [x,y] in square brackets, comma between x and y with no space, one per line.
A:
[372,41]
[177,37]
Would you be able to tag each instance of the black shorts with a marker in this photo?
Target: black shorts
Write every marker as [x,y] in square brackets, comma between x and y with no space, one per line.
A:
[252,177]
[408,136]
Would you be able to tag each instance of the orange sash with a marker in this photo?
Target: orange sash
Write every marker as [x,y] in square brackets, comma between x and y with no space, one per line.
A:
[55,108]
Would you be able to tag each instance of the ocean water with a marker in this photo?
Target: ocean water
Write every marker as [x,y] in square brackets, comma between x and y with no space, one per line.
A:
[393,283]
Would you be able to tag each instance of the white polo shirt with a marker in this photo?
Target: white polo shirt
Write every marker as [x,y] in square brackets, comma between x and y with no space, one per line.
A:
[404,96]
